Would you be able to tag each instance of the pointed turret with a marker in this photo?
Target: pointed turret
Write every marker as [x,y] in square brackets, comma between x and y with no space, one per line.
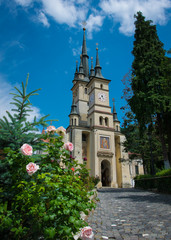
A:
[92,74]
[85,57]
[116,122]
[81,70]
[74,116]
[74,108]
[98,67]
[76,71]
[115,118]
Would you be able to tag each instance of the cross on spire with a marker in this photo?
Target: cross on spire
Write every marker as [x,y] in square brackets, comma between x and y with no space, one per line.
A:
[84,23]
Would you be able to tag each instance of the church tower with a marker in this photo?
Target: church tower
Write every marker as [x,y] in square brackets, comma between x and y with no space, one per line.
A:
[94,129]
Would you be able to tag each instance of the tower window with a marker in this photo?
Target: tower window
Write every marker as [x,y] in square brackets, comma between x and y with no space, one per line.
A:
[101,86]
[116,127]
[90,121]
[136,169]
[75,121]
[83,137]
[72,122]
[106,121]
[85,90]
[101,120]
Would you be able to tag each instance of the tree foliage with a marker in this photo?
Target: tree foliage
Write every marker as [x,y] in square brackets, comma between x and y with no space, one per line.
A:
[139,144]
[151,99]
[47,204]
[16,129]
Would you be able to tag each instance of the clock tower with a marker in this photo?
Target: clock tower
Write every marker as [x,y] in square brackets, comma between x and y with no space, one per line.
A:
[92,127]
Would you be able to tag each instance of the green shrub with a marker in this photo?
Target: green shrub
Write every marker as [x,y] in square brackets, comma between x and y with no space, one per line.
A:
[47,204]
[143,176]
[165,172]
[161,181]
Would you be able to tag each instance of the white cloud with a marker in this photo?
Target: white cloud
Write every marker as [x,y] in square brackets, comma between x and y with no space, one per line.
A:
[24,3]
[77,51]
[65,11]
[5,99]
[43,19]
[94,23]
[70,12]
[73,12]
[123,11]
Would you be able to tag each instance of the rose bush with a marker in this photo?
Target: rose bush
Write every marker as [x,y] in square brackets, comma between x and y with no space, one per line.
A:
[69,146]
[47,203]
[61,131]
[87,233]
[32,168]
[26,150]
[50,129]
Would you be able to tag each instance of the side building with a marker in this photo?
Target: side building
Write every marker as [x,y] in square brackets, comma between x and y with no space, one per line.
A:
[94,128]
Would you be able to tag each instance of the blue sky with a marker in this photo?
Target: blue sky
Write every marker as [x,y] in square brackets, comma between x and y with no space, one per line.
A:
[44,38]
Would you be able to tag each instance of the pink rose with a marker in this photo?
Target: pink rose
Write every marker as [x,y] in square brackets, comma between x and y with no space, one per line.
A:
[87,233]
[50,129]
[32,168]
[69,146]
[61,131]
[26,149]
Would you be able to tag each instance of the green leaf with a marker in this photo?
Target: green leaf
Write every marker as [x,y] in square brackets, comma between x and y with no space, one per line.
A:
[71,219]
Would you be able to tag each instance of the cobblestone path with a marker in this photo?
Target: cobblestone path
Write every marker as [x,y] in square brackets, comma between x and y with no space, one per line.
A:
[131,214]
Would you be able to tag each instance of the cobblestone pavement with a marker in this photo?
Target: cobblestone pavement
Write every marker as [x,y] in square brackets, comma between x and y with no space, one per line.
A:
[131,214]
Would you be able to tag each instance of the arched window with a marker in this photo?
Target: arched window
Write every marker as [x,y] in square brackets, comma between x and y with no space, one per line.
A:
[90,121]
[106,121]
[116,127]
[75,121]
[85,90]
[101,120]
[101,86]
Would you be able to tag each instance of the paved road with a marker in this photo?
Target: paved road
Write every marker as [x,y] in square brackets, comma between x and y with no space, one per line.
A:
[131,214]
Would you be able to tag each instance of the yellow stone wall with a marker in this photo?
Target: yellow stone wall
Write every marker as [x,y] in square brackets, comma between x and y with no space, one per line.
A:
[118,163]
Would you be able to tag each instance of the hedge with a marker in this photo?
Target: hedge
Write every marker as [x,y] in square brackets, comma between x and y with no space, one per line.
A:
[161,182]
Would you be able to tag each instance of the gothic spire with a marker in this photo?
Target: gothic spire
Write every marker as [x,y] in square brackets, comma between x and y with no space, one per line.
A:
[98,67]
[85,57]
[81,70]
[92,68]
[76,70]
[74,108]
[115,118]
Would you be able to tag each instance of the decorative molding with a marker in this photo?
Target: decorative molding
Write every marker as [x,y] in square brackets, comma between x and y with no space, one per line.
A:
[97,111]
[103,128]
[101,89]
[105,154]
[97,79]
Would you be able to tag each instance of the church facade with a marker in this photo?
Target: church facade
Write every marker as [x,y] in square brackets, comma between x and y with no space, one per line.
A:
[94,128]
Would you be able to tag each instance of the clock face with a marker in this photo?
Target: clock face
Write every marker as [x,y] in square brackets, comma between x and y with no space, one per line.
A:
[102,97]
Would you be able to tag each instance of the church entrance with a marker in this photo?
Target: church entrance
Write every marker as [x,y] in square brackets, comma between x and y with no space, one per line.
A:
[105,173]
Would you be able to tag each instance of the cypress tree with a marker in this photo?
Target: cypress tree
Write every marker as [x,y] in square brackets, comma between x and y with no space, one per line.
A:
[151,100]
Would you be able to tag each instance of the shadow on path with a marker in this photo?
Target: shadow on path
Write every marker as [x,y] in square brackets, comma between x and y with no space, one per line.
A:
[137,195]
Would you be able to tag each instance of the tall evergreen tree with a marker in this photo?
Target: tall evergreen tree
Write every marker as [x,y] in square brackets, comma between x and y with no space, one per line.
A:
[139,146]
[150,101]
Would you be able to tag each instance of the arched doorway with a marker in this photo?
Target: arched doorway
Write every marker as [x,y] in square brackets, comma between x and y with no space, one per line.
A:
[105,173]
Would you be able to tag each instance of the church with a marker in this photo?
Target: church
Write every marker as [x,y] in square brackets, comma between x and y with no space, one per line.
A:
[94,128]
